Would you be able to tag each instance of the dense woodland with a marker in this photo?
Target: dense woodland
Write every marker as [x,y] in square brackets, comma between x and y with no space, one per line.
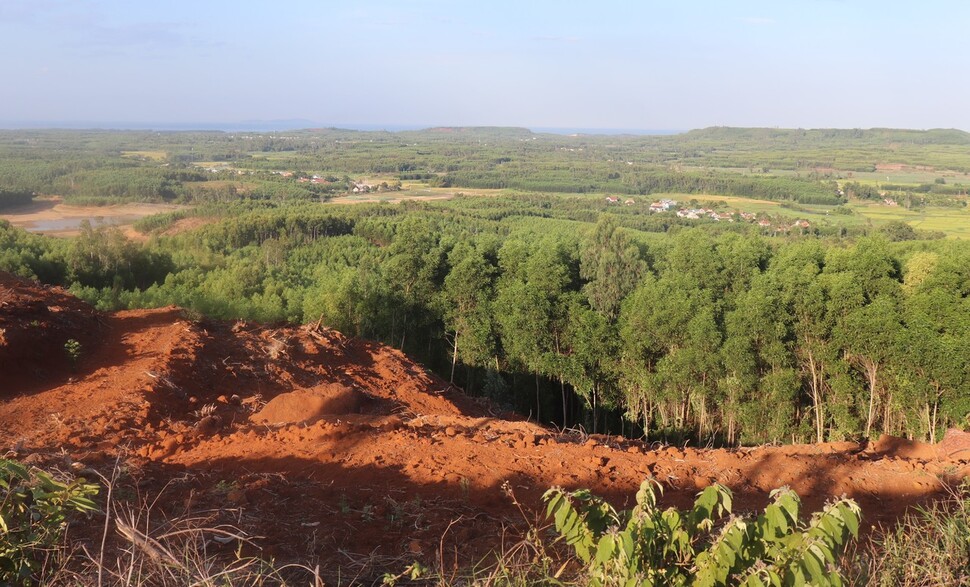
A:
[555,304]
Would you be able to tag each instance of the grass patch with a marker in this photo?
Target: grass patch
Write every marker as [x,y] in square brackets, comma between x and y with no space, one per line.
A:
[955,222]
[930,547]
[146,155]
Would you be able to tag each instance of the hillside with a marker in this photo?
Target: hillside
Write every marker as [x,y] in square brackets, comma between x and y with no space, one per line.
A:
[326,447]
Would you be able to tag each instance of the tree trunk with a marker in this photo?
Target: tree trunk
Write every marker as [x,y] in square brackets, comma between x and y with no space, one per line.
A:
[594,408]
[562,390]
[871,371]
[685,412]
[887,415]
[647,412]
[701,419]
[537,398]
[815,385]
[454,358]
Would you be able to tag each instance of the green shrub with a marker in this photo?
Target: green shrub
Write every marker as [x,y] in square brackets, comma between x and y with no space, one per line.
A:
[647,546]
[34,510]
[73,350]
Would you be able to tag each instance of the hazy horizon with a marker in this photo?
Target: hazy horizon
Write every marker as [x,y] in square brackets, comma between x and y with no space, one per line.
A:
[292,125]
[539,65]
[302,125]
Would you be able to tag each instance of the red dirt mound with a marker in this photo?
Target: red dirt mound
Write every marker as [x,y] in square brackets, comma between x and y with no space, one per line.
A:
[893,446]
[371,457]
[955,445]
[306,406]
[35,324]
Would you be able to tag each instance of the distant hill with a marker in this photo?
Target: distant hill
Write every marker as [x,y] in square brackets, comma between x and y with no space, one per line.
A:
[832,136]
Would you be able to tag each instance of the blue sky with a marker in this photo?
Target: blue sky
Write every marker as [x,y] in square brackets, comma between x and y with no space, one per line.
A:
[589,64]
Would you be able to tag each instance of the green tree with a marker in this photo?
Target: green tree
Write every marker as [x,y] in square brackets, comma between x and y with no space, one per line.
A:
[612,266]
[415,265]
[466,302]
[868,337]
[531,307]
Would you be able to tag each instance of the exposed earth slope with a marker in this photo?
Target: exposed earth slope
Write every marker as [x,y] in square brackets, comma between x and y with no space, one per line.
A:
[345,450]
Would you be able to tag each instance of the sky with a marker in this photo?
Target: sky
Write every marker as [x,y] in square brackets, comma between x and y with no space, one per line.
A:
[592,64]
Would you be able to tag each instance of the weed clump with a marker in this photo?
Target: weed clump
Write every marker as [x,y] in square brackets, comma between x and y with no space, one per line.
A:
[930,546]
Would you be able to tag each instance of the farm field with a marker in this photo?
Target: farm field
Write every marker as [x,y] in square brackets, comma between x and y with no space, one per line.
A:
[955,222]
[409,191]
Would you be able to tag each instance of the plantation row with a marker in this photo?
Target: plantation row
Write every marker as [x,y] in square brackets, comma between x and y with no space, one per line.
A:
[707,333]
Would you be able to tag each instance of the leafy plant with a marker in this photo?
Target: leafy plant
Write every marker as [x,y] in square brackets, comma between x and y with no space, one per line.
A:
[34,510]
[413,572]
[73,349]
[648,546]
[224,487]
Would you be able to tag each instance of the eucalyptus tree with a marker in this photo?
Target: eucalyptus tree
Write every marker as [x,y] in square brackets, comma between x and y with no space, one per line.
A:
[415,265]
[796,270]
[466,301]
[612,265]
[868,336]
[531,307]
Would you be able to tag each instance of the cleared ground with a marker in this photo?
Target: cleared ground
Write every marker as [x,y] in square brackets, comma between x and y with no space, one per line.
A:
[51,216]
[322,447]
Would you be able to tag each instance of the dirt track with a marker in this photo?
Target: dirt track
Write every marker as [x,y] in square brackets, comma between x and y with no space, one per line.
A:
[182,405]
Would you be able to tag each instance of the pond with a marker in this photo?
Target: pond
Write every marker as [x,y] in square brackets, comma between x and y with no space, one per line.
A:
[54,217]
[72,224]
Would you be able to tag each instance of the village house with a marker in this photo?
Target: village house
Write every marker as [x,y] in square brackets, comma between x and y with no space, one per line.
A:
[612,200]
[694,213]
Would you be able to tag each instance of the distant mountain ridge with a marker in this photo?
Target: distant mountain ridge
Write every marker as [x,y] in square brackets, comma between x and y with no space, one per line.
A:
[942,136]
[916,136]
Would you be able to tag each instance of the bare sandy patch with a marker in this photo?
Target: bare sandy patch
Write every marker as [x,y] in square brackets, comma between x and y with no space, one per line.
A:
[51,216]
[186,225]
[422,195]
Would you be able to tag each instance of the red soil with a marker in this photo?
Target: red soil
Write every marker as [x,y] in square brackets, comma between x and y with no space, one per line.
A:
[384,460]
